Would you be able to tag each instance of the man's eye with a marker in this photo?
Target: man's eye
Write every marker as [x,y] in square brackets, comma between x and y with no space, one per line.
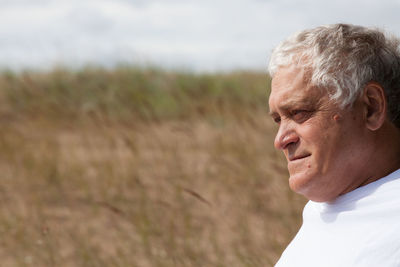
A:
[277,119]
[299,114]
[296,112]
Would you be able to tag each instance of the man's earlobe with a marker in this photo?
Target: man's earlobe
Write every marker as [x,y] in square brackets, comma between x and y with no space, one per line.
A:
[375,105]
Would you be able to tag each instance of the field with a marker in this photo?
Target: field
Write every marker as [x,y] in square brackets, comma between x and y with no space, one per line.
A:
[141,167]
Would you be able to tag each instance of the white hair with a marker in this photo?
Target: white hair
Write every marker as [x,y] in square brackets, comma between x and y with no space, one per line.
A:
[342,59]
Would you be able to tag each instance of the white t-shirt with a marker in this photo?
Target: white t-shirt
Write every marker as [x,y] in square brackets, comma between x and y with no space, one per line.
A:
[360,228]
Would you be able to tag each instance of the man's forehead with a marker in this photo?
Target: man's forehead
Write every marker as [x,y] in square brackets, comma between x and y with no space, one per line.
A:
[291,93]
[289,88]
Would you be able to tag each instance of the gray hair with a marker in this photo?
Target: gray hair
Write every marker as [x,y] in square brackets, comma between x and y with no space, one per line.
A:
[342,59]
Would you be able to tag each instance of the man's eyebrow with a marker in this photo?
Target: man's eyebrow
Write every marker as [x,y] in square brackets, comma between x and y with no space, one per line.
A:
[284,105]
[272,113]
[295,102]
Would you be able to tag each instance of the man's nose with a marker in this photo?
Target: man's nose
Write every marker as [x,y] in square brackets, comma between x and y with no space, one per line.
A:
[285,136]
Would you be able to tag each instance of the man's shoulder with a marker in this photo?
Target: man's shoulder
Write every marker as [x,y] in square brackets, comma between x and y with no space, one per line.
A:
[358,231]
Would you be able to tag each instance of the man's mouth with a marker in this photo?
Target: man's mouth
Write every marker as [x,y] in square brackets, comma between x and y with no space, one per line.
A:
[293,158]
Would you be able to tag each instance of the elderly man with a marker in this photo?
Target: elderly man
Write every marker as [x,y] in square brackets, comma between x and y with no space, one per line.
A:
[336,98]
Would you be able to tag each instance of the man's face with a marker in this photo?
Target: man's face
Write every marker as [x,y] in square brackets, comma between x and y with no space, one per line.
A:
[324,145]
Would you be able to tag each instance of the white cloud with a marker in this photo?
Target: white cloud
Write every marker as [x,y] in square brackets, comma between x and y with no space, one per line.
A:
[208,34]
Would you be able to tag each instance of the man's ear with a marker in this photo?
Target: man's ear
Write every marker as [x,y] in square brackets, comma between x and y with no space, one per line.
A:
[375,105]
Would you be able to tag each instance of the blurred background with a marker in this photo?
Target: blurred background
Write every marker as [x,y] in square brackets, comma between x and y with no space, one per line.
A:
[205,35]
[135,132]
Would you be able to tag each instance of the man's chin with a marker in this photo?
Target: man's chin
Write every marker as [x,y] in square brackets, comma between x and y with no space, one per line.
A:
[305,185]
[300,183]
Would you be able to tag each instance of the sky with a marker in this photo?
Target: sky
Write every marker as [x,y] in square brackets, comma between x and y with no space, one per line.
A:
[199,35]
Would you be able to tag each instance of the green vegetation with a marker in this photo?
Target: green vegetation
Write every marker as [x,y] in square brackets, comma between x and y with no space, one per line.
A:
[141,167]
[126,92]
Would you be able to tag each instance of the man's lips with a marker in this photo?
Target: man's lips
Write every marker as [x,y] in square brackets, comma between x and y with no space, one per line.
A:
[293,158]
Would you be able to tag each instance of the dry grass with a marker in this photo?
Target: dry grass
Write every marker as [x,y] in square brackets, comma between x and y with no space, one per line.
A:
[97,171]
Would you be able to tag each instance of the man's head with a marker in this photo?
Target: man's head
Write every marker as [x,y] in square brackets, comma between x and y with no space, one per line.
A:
[336,96]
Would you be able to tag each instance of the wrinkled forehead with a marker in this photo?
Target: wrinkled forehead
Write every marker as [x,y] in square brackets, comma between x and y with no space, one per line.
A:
[290,81]
[290,74]
[290,86]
